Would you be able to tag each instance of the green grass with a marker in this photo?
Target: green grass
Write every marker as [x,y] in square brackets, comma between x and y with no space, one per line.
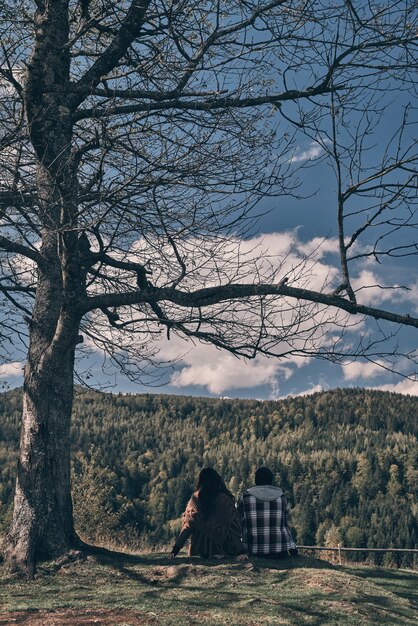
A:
[124,590]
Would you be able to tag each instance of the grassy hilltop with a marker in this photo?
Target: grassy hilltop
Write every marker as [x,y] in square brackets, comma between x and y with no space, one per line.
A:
[133,590]
[344,459]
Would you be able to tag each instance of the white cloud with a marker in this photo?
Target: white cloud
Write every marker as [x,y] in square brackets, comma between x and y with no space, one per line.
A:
[360,369]
[407,387]
[319,246]
[278,244]
[411,296]
[306,392]
[285,254]
[260,259]
[226,374]
[314,389]
[370,290]
[221,371]
[312,152]
[11,370]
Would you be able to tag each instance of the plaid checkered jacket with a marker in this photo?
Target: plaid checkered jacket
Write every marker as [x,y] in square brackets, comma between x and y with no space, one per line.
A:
[263,511]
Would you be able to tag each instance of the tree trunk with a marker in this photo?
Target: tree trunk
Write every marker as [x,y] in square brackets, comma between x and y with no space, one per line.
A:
[42,524]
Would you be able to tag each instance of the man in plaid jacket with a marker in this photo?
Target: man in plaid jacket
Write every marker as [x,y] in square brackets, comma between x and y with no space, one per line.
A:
[264,513]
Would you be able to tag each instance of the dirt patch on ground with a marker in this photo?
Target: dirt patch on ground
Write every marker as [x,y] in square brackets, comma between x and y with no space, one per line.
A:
[318,580]
[78,617]
[175,571]
[173,574]
[340,605]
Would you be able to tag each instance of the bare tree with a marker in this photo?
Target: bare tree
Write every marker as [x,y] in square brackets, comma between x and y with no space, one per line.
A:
[137,139]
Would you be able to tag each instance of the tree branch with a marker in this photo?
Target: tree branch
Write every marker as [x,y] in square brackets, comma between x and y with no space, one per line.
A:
[16,289]
[211,104]
[17,248]
[127,33]
[215,295]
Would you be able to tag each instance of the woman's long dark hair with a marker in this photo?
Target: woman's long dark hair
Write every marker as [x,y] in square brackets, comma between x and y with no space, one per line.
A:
[208,486]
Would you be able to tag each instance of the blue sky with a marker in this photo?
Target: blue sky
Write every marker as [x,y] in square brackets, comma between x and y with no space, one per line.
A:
[305,223]
[205,371]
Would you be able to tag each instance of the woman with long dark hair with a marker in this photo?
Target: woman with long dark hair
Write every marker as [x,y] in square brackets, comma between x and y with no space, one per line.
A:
[211,521]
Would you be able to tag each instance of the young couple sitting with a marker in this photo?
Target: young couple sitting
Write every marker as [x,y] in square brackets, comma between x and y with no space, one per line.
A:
[219,528]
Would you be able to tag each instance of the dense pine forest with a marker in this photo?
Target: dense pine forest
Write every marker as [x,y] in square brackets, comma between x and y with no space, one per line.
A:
[347,460]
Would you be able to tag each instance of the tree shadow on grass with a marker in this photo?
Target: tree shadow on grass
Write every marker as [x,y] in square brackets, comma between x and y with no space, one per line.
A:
[403,583]
[293,562]
[164,572]
[160,559]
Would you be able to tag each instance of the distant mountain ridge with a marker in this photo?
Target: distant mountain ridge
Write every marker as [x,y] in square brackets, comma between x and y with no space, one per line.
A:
[347,459]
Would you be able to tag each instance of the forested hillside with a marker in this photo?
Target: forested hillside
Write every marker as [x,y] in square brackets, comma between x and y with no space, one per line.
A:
[347,459]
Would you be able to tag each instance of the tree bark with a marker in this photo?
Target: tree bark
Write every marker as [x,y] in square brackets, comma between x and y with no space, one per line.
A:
[42,524]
